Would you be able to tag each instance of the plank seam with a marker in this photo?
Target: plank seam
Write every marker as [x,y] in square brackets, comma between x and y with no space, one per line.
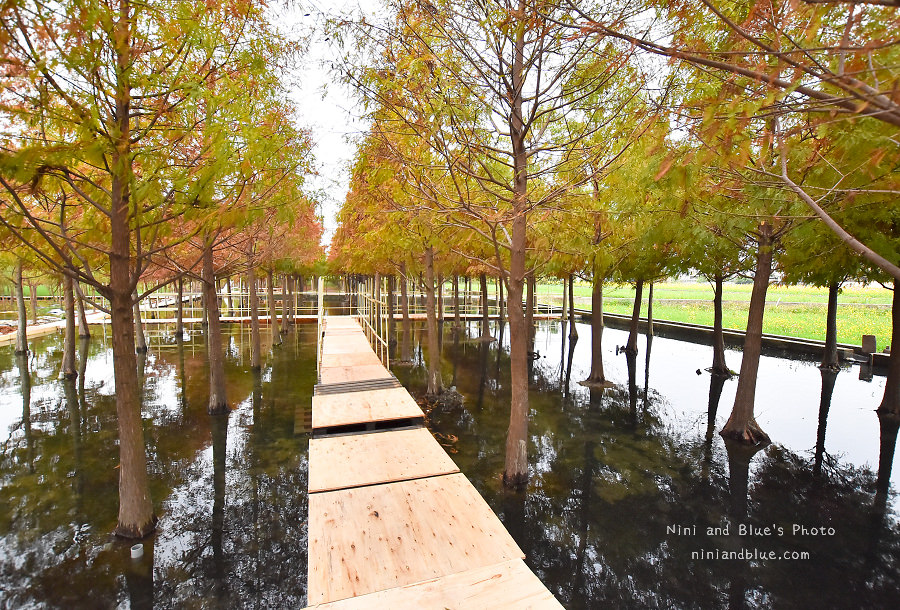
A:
[364,485]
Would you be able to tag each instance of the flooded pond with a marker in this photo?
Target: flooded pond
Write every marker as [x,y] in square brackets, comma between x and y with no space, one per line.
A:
[624,483]
[230,491]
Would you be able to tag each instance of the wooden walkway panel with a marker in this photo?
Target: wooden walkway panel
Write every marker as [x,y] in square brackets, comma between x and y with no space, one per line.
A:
[341,322]
[345,344]
[332,360]
[333,410]
[380,537]
[339,462]
[342,374]
[508,585]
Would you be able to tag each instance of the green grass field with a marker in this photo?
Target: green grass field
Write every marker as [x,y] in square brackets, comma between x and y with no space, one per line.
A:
[794,311]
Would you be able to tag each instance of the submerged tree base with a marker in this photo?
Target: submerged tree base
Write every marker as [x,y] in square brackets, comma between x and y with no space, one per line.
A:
[726,372]
[136,532]
[218,409]
[600,384]
[446,399]
[516,482]
[751,435]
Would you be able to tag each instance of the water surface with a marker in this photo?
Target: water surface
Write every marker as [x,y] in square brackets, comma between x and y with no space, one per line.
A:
[626,482]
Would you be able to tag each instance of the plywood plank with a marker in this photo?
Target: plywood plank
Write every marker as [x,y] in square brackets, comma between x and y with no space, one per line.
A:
[332,410]
[338,322]
[379,537]
[381,457]
[504,585]
[367,358]
[340,374]
[345,345]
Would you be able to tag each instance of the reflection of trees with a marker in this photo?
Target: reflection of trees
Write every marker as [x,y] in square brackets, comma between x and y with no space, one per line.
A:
[605,485]
[859,566]
[829,376]
[254,544]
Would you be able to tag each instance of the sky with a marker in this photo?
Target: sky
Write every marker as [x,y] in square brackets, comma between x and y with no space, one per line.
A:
[326,107]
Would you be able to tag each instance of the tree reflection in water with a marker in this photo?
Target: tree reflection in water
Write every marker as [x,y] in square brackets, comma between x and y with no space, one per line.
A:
[230,490]
[608,485]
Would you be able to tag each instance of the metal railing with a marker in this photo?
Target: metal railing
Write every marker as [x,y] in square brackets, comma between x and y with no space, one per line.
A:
[372,313]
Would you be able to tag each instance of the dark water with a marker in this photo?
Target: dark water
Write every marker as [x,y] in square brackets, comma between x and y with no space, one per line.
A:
[624,484]
[611,473]
[230,491]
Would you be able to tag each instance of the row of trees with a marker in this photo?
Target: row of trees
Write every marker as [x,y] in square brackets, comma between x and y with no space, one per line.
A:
[531,138]
[144,143]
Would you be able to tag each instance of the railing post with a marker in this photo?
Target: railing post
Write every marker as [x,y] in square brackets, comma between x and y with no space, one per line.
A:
[321,319]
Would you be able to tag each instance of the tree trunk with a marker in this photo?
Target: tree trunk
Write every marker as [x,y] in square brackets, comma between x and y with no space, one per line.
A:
[391,326]
[631,346]
[889,409]
[597,375]
[136,518]
[830,357]
[284,303]
[217,401]
[435,385]
[179,311]
[515,474]
[84,330]
[440,298]
[406,325]
[273,317]
[500,303]
[69,370]
[204,310]
[718,366]
[32,293]
[291,299]
[573,332]
[564,309]
[228,301]
[741,425]
[456,319]
[485,319]
[22,328]
[255,342]
[650,311]
[529,310]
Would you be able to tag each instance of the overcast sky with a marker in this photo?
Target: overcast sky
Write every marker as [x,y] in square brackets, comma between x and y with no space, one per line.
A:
[326,107]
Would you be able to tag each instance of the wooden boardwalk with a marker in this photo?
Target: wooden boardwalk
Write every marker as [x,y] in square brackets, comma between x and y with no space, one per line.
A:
[392,521]
[33,331]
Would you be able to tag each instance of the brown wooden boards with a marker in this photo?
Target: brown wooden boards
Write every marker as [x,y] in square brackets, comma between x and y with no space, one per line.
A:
[339,462]
[379,537]
[332,410]
[504,585]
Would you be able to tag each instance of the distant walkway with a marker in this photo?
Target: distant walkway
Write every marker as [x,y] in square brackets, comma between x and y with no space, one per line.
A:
[47,328]
[392,521]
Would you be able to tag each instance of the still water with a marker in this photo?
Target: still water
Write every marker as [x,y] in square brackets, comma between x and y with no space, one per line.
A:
[624,484]
[230,491]
[627,483]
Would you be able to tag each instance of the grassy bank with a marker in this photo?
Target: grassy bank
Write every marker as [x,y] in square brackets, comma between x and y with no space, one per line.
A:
[793,311]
